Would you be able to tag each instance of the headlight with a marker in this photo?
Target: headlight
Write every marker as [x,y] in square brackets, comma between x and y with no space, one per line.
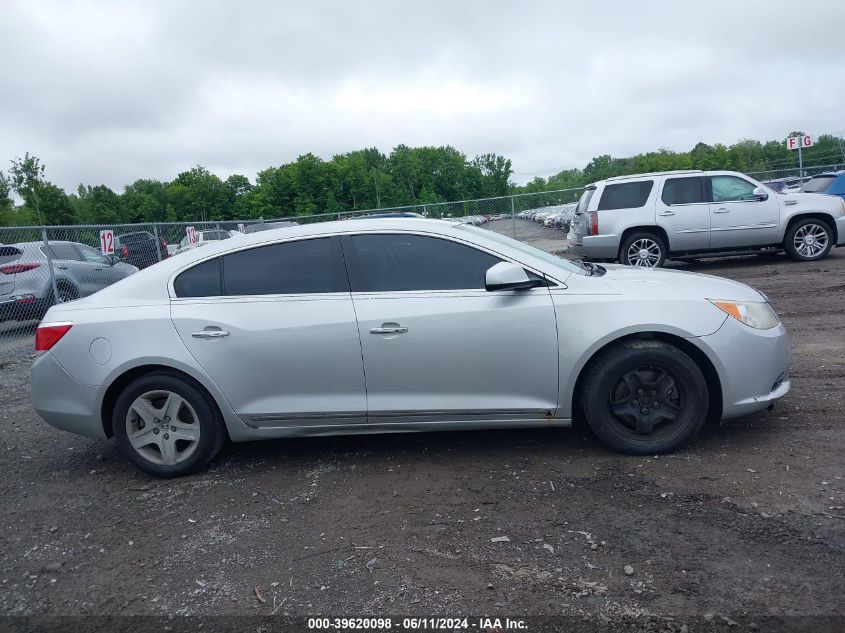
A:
[756,314]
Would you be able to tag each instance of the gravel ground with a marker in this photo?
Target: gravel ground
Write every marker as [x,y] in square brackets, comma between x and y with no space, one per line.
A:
[743,527]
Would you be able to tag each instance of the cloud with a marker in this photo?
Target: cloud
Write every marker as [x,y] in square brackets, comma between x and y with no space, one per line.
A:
[111,92]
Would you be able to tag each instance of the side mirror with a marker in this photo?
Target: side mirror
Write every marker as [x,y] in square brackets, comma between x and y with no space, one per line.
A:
[759,193]
[507,276]
[113,259]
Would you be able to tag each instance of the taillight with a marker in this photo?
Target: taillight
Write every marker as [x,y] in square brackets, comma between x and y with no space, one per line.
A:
[124,252]
[46,336]
[164,253]
[11,269]
[594,223]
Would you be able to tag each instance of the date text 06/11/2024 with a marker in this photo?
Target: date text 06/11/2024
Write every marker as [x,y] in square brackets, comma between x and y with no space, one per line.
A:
[413,624]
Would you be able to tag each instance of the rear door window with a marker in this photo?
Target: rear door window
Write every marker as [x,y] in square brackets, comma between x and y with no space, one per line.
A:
[625,195]
[203,280]
[301,267]
[683,191]
[65,252]
[403,262]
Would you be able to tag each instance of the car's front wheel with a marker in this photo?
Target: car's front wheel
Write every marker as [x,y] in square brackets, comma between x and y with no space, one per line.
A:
[643,249]
[808,240]
[167,425]
[643,397]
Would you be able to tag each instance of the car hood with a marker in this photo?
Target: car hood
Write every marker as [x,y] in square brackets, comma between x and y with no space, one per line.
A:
[660,283]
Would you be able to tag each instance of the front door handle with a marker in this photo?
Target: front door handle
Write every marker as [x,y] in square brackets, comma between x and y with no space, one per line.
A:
[389,328]
[61,267]
[721,210]
[217,333]
[666,213]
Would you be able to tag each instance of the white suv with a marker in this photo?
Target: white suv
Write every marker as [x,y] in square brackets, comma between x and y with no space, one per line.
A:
[644,219]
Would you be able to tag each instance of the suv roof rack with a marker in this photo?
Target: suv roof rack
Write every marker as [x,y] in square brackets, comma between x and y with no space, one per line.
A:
[658,173]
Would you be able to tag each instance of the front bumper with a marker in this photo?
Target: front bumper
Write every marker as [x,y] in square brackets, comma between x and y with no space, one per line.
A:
[596,246]
[840,231]
[753,366]
[61,401]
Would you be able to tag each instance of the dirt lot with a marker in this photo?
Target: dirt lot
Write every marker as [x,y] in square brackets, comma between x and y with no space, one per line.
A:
[745,526]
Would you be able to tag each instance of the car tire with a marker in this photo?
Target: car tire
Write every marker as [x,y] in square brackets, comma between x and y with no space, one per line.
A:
[66,292]
[638,376]
[643,248]
[808,240]
[167,425]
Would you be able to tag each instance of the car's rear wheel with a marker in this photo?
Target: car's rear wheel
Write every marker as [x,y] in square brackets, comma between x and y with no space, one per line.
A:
[643,249]
[808,240]
[66,292]
[643,397]
[167,425]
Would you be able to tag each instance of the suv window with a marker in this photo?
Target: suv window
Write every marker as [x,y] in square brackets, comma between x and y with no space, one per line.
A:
[731,189]
[64,251]
[9,254]
[625,195]
[91,255]
[818,184]
[416,262]
[584,200]
[301,267]
[134,238]
[683,190]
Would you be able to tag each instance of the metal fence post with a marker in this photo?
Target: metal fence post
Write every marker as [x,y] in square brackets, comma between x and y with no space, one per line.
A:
[49,255]
[513,218]
[158,241]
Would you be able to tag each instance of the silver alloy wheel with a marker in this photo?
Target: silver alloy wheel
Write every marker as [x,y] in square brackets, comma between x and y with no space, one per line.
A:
[810,240]
[163,427]
[644,252]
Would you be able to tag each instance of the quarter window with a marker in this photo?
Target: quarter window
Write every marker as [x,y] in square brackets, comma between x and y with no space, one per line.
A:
[625,195]
[683,191]
[415,262]
[731,189]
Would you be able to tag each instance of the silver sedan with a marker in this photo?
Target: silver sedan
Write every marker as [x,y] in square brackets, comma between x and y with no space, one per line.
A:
[388,325]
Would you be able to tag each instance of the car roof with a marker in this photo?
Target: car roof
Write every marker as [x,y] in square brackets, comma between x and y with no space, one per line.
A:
[828,174]
[654,174]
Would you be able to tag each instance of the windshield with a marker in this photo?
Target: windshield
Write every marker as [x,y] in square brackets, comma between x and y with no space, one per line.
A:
[522,247]
[819,184]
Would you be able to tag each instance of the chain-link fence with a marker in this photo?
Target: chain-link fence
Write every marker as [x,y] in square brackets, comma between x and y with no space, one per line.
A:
[41,266]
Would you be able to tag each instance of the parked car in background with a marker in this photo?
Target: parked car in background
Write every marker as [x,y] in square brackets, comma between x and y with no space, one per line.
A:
[203,238]
[832,183]
[644,219]
[378,325]
[140,249]
[783,185]
[268,226]
[26,290]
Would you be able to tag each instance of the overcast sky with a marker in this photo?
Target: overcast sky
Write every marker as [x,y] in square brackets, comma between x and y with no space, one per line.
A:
[107,92]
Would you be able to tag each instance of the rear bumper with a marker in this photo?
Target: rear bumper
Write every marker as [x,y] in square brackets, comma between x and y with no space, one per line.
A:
[61,401]
[753,366]
[598,246]
[21,307]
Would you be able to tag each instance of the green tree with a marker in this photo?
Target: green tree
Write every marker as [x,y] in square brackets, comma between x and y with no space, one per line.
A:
[27,179]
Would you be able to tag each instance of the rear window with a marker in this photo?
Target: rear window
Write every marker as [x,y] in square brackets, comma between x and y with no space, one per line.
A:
[134,238]
[584,201]
[625,195]
[9,254]
[683,191]
[819,184]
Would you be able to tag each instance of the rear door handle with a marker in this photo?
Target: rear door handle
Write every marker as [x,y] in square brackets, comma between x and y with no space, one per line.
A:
[721,210]
[61,267]
[389,328]
[218,333]
[666,213]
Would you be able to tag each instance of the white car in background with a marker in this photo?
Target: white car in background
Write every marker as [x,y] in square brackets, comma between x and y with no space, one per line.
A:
[203,238]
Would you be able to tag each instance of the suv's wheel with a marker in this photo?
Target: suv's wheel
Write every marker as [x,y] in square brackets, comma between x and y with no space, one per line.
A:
[808,240]
[166,425]
[66,292]
[643,249]
[644,397]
